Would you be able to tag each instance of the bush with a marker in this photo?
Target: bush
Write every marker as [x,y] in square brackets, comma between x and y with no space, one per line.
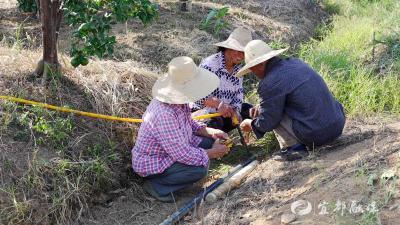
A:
[28,5]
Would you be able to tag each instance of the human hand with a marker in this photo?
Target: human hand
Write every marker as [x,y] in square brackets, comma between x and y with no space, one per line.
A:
[218,150]
[255,111]
[211,102]
[246,125]
[226,110]
[218,134]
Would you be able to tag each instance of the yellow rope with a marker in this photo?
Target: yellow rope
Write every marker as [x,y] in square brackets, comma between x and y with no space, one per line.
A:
[88,114]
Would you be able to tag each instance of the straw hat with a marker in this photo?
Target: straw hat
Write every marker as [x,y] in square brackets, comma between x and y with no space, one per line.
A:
[237,40]
[256,52]
[184,82]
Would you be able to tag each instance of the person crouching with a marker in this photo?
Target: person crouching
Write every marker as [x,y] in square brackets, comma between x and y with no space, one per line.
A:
[172,151]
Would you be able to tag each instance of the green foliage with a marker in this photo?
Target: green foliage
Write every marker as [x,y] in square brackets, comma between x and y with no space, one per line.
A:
[391,42]
[322,31]
[63,183]
[46,126]
[370,218]
[27,5]
[93,21]
[53,129]
[279,44]
[268,143]
[215,20]
[331,7]
[19,43]
[365,3]
[106,150]
[344,57]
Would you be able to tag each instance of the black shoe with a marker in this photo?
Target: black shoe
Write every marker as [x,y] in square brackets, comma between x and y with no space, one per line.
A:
[150,190]
[292,153]
[280,152]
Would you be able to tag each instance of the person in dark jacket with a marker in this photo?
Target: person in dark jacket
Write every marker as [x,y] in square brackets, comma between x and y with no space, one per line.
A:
[295,102]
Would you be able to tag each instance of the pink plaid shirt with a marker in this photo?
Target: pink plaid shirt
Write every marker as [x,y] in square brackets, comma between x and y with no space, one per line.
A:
[167,136]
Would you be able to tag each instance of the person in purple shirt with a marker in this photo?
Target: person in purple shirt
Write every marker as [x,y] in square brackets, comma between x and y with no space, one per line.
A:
[227,99]
[295,103]
[172,151]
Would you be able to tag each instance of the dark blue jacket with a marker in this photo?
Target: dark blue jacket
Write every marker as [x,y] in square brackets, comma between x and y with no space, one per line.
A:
[291,87]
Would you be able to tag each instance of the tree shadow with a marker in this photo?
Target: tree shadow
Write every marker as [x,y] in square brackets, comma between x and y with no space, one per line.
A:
[173,34]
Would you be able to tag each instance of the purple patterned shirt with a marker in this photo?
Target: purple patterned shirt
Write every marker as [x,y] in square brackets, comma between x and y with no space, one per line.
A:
[167,135]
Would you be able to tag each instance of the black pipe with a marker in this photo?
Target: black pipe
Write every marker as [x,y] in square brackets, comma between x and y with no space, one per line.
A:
[242,140]
[176,216]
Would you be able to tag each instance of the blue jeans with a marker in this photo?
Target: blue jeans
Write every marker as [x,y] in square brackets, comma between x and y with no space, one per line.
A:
[179,176]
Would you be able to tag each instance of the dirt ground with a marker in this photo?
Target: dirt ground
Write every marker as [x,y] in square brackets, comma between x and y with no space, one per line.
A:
[337,172]
[340,171]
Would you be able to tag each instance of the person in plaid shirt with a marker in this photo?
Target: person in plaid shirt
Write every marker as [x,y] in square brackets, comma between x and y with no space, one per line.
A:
[170,151]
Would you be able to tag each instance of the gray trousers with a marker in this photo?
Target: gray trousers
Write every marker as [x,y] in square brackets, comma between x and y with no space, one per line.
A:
[284,133]
[179,176]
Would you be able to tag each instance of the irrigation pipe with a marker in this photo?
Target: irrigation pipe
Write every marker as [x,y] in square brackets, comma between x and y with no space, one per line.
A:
[185,209]
[88,114]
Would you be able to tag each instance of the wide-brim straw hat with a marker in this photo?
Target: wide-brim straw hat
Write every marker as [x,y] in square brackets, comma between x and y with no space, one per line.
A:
[184,82]
[256,52]
[237,40]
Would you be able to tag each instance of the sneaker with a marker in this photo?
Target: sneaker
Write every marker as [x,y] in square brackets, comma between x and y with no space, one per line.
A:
[150,190]
[292,153]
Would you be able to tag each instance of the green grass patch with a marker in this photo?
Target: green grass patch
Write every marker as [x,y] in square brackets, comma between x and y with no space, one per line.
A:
[48,127]
[358,55]
[261,148]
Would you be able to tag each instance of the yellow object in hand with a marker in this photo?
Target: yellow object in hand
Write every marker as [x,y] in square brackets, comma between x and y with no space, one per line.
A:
[228,142]
[235,121]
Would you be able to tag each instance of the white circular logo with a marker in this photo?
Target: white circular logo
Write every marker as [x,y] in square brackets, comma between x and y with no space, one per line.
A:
[301,207]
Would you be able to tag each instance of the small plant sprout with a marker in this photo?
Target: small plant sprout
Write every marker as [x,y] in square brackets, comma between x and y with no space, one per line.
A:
[215,20]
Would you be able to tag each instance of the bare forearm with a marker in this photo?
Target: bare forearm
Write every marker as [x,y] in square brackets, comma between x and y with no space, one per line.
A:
[205,132]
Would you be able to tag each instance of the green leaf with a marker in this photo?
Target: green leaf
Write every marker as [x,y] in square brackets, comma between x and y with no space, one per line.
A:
[84,61]
[75,62]
[211,15]
[222,12]
[92,35]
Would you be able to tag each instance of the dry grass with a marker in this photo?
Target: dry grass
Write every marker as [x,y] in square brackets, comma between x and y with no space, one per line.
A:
[46,187]
[119,89]
[122,89]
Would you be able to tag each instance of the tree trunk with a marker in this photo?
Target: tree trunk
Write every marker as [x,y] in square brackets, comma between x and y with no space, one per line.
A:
[51,14]
[38,9]
[185,5]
